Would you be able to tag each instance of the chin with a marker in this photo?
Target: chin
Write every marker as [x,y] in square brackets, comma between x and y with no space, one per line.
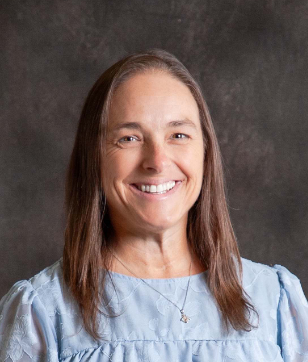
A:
[159,224]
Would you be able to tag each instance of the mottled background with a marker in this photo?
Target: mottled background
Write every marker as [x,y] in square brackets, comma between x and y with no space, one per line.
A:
[250,58]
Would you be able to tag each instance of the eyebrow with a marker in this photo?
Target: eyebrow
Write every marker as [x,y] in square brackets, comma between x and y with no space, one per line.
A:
[136,125]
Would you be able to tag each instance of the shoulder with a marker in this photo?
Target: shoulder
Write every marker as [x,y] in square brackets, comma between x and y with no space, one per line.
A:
[51,274]
[268,280]
[48,284]
[26,316]
[254,272]
[25,291]
[274,273]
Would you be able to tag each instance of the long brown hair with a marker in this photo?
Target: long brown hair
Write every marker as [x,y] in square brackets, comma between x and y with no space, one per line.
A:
[209,230]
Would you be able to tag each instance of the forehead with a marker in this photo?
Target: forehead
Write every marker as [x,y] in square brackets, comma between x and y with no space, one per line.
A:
[152,97]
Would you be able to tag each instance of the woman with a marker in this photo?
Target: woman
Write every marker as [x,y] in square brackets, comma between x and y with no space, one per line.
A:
[151,269]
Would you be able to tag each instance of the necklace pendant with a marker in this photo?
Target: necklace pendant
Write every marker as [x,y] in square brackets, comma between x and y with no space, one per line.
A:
[184,318]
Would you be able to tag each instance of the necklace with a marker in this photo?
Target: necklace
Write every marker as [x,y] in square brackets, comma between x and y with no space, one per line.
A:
[184,317]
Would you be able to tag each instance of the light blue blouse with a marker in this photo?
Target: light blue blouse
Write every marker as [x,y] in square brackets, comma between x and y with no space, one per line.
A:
[39,321]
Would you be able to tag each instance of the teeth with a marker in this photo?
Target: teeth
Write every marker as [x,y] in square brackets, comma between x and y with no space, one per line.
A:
[157,188]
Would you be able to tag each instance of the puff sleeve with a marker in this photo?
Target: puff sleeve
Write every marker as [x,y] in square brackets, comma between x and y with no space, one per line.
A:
[292,317]
[26,330]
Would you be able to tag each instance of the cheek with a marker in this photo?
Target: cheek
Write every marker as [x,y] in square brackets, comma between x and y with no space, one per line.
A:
[193,161]
[117,168]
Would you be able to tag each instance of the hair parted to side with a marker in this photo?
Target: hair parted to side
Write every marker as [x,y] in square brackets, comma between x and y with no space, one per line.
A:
[86,256]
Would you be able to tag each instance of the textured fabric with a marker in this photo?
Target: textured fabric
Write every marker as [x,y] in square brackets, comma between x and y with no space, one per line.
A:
[39,321]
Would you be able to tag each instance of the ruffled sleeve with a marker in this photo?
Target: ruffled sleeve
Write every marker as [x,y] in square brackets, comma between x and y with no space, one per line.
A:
[292,317]
[26,331]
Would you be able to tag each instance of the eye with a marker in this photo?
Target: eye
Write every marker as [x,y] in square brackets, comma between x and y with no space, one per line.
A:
[181,135]
[122,140]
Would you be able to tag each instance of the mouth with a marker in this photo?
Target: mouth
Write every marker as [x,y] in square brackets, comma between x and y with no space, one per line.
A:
[157,189]
[154,194]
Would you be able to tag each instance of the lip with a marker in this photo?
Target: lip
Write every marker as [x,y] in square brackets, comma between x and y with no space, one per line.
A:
[153,197]
[153,182]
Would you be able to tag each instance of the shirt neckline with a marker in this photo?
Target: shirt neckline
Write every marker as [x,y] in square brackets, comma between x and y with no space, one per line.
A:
[157,280]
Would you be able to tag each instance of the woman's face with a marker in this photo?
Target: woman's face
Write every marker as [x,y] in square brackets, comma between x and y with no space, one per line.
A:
[154,138]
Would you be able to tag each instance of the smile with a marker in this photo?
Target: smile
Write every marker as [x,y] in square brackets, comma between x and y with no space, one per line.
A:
[162,188]
[156,192]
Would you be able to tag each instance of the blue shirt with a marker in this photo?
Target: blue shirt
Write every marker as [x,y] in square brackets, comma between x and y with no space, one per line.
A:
[40,321]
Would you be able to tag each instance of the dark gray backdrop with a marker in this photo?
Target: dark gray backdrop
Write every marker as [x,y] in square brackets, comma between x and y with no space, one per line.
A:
[250,58]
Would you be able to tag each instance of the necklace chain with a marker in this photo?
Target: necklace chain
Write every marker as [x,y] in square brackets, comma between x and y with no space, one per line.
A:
[184,318]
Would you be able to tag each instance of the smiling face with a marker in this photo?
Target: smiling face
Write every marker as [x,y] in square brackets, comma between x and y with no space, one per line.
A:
[154,136]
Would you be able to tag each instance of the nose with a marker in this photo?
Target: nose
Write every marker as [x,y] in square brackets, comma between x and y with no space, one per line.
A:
[155,157]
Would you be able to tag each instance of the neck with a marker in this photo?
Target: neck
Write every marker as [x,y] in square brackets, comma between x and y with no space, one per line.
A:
[148,258]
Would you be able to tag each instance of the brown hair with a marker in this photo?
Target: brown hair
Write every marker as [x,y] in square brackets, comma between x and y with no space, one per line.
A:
[209,230]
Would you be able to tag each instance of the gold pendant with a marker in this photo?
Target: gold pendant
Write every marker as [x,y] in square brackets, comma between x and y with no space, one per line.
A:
[184,318]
